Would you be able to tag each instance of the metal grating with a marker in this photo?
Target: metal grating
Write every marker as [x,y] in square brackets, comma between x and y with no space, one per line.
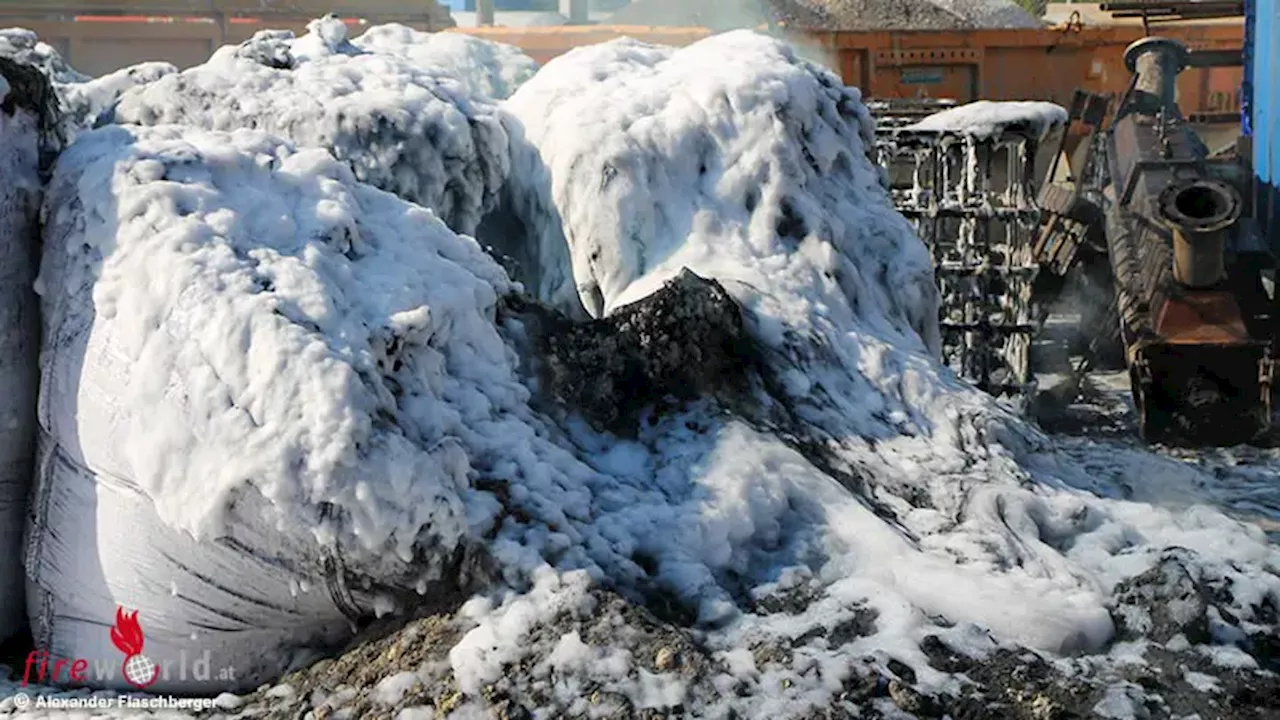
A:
[972,201]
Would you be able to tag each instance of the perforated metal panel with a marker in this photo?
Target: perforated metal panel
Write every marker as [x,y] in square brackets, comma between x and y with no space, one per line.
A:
[972,203]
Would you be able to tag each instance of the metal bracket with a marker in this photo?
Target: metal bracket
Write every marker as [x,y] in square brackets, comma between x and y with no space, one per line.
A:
[1266,378]
[1216,58]
[1142,369]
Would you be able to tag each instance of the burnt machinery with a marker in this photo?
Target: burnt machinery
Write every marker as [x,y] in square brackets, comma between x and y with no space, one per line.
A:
[1194,317]
[1155,228]
[1072,245]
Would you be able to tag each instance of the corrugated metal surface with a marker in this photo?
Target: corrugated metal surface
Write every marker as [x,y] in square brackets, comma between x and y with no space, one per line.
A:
[1264,64]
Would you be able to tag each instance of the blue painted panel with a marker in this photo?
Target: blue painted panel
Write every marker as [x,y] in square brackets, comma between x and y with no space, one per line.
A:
[1263,77]
[1246,84]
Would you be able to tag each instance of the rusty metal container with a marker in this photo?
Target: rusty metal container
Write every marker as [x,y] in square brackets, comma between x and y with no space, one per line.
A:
[99,36]
[964,65]
[967,65]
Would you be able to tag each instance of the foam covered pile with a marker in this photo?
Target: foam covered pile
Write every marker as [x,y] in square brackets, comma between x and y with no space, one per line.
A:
[755,174]
[83,98]
[486,68]
[892,489]
[319,361]
[985,118]
[26,47]
[411,131]
[86,103]
[290,335]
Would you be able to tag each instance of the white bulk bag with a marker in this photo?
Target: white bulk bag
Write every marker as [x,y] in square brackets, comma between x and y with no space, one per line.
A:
[254,375]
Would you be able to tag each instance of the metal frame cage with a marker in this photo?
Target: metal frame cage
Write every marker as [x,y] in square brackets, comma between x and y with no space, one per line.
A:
[972,201]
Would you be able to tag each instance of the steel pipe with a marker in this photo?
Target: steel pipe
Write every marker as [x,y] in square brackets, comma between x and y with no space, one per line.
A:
[1200,214]
[1156,62]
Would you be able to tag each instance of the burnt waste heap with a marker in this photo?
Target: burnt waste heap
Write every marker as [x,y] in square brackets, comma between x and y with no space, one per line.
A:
[683,343]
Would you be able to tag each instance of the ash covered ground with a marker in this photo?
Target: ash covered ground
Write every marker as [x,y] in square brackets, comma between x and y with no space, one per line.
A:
[701,457]
[1101,423]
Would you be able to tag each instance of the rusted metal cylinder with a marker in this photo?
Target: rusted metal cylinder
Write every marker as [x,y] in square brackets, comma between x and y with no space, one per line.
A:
[1200,214]
[1156,62]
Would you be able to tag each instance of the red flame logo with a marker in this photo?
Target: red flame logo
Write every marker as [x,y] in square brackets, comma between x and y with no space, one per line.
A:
[138,670]
[127,634]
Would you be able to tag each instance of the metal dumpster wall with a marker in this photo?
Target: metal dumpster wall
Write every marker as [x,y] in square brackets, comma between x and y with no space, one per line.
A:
[1263,64]
[1032,64]
[964,65]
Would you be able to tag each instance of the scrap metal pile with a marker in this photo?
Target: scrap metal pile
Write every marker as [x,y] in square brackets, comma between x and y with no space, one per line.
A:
[1153,222]
[971,199]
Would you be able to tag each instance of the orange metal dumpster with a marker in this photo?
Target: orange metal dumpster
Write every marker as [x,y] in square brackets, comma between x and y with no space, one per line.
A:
[1084,50]
[964,65]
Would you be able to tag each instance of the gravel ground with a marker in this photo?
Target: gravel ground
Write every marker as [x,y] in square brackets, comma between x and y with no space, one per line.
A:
[1171,680]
